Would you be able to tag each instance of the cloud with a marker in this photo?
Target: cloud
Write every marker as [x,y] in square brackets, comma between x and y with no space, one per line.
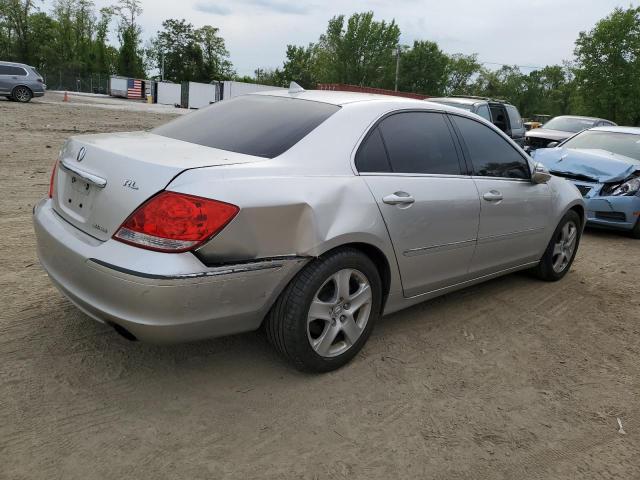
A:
[212,7]
[282,6]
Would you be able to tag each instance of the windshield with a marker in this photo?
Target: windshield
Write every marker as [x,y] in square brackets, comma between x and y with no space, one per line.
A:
[464,106]
[625,144]
[258,125]
[569,124]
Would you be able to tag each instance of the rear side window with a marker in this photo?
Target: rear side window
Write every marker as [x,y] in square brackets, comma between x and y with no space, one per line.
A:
[514,118]
[490,154]
[372,157]
[11,70]
[419,142]
[258,125]
[483,111]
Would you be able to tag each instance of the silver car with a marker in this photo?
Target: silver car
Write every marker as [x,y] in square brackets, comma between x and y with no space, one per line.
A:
[20,82]
[310,213]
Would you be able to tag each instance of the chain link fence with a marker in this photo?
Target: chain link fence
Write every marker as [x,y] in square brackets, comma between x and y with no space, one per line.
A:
[88,83]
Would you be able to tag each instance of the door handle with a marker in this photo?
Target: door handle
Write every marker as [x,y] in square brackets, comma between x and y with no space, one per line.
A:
[493,196]
[399,198]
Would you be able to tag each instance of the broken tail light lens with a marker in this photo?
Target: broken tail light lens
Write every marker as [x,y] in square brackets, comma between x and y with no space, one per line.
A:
[175,222]
[52,180]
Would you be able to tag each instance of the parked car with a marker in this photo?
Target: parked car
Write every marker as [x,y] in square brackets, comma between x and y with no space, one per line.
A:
[559,129]
[20,82]
[311,213]
[503,115]
[604,163]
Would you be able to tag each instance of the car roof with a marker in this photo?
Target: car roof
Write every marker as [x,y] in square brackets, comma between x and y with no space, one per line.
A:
[14,64]
[343,98]
[462,100]
[611,129]
[580,117]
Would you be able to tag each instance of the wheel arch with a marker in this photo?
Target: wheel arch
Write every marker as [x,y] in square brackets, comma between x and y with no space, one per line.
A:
[22,85]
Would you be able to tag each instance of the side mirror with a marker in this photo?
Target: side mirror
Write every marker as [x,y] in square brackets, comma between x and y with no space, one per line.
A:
[540,174]
[552,144]
[527,148]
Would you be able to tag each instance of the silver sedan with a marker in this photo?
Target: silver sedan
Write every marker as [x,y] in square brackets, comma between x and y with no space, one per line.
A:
[308,213]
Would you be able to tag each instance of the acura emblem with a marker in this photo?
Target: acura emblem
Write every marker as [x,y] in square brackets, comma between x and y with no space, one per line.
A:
[81,153]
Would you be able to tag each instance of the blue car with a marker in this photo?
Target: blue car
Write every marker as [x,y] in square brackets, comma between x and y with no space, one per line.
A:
[604,164]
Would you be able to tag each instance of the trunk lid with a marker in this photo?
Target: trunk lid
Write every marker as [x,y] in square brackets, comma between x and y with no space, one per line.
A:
[101,179]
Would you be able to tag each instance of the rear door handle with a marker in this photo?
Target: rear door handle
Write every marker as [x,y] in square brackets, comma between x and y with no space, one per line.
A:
[493,196]
[399,198]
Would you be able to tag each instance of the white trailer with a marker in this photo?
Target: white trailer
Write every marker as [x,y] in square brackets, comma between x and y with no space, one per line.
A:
[197,95]
[118,86]
[168,93]
[230,89]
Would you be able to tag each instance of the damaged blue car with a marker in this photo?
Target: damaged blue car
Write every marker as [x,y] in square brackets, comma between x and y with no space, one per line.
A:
[604,164]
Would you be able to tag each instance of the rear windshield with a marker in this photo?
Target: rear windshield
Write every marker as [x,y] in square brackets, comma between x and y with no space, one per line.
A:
[258,125]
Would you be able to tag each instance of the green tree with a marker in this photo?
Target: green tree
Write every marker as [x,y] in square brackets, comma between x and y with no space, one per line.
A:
[15,16]
[215,56]
[299,66]
[360,52]
[608,67]
[423,69]
[130,61]
[459,73]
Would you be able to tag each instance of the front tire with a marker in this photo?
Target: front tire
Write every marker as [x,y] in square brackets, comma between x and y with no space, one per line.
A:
[327,312]
[22,94]
[635,233]
[562,249]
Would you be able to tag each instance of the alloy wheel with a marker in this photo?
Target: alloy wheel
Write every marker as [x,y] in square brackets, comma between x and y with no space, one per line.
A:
[22,94]
[564,247]
[339,312]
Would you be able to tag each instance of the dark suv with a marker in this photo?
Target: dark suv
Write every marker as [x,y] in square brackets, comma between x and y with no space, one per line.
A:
[20,82]
[502,114]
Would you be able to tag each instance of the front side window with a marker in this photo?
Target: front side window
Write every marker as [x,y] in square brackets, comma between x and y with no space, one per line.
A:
[420,142]
[258,125]
[483,111]
[514,118]
[490,154]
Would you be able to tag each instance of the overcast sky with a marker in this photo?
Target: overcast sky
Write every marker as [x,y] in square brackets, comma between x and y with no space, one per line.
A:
[521,32]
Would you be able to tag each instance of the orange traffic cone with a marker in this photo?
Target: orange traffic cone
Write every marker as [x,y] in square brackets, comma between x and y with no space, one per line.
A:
[66,97]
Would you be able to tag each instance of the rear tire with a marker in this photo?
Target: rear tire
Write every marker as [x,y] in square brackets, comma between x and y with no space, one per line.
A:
[562,249]
[327,312]
[22,94]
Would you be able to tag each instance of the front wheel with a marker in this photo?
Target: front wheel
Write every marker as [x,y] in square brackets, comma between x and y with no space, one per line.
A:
[326,314]
[562,249]
[22,94]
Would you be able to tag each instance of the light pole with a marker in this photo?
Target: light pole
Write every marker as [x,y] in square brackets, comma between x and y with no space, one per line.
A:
[397,66]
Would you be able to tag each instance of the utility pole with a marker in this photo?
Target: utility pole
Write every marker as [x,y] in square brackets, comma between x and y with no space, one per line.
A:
[162,72]
[397,66]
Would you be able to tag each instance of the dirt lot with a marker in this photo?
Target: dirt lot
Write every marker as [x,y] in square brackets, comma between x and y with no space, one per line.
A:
[513,379]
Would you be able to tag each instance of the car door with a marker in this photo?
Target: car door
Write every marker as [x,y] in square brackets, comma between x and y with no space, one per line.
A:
[431,208]
[513,210]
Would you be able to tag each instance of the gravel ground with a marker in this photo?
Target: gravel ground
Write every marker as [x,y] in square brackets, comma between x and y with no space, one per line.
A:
[512,379]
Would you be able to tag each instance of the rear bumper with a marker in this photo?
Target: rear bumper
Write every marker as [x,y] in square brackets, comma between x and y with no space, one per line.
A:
[157,297]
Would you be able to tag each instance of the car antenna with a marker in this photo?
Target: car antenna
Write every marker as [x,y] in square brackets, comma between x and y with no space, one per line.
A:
[295,88]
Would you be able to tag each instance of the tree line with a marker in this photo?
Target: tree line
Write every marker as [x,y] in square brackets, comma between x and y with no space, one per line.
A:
[600,80]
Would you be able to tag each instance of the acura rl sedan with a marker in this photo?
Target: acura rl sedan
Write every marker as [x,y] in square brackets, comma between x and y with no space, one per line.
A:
[309,213]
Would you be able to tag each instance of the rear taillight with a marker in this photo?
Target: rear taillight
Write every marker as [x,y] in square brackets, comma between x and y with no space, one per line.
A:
[53,177]
[175,222]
